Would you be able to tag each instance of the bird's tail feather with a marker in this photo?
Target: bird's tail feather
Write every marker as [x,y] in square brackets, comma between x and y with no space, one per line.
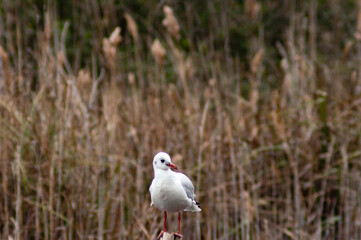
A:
[196,207]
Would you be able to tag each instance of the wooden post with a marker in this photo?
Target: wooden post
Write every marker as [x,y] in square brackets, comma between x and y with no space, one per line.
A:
[170,236]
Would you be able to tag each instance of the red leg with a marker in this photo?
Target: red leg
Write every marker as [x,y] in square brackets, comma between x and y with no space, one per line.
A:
[165,221]
[179,220]
[165,226]
[178,233]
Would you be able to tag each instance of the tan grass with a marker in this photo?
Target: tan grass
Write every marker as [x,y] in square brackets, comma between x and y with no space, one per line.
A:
[271,142]
[170,22]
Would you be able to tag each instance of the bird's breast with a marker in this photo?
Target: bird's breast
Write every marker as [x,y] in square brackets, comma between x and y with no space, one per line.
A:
[170,196]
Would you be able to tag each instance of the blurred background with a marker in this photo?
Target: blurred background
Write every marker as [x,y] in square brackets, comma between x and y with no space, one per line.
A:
[257,101]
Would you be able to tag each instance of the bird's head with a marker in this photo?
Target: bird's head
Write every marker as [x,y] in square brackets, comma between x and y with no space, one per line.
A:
[162,161]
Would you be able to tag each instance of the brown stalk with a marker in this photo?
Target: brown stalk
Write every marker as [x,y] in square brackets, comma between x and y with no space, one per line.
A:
[19,216]
[4,172]
[5,59]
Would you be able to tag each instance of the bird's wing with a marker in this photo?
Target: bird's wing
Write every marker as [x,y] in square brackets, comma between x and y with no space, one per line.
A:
[186,184]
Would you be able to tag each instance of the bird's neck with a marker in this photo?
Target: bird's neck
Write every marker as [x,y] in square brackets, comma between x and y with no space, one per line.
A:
[161,172]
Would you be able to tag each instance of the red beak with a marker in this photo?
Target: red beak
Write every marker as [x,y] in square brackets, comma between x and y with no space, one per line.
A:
[172,166]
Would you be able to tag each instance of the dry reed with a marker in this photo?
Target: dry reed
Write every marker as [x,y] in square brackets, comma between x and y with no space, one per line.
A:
[270,135]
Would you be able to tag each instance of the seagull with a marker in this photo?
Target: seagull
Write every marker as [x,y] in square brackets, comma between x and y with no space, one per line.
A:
[171,191]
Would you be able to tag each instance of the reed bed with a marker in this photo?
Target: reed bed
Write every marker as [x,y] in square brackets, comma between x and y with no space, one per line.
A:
[258,102]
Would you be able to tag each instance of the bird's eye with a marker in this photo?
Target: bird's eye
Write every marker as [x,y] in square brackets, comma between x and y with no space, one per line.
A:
[162,160]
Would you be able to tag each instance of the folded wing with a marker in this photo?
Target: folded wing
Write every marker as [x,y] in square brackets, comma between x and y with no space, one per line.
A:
[187,185]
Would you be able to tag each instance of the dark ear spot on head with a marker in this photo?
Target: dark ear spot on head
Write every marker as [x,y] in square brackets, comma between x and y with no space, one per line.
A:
[155,163]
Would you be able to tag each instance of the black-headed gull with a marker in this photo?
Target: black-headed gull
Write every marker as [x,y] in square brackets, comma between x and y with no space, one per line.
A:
[171,191]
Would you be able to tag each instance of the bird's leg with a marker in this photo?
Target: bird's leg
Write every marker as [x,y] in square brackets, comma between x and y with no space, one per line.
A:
[165,226]
[178,233]
[165,221]
[179,219]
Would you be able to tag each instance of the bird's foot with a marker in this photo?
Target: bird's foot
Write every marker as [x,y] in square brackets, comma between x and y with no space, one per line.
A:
[160,235]
[178,235]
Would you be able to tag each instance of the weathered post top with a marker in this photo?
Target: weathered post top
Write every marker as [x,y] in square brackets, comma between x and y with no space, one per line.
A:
[170,236]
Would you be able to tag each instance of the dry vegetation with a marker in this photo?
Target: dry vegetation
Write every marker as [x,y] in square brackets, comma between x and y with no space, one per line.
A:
[259,102]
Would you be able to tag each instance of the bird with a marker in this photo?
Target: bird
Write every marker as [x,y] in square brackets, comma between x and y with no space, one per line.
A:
[171,191]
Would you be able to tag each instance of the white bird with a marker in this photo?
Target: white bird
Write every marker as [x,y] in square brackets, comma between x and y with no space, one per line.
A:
[171,191]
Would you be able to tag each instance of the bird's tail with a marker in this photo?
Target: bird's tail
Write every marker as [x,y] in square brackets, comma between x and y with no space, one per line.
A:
[196,207]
